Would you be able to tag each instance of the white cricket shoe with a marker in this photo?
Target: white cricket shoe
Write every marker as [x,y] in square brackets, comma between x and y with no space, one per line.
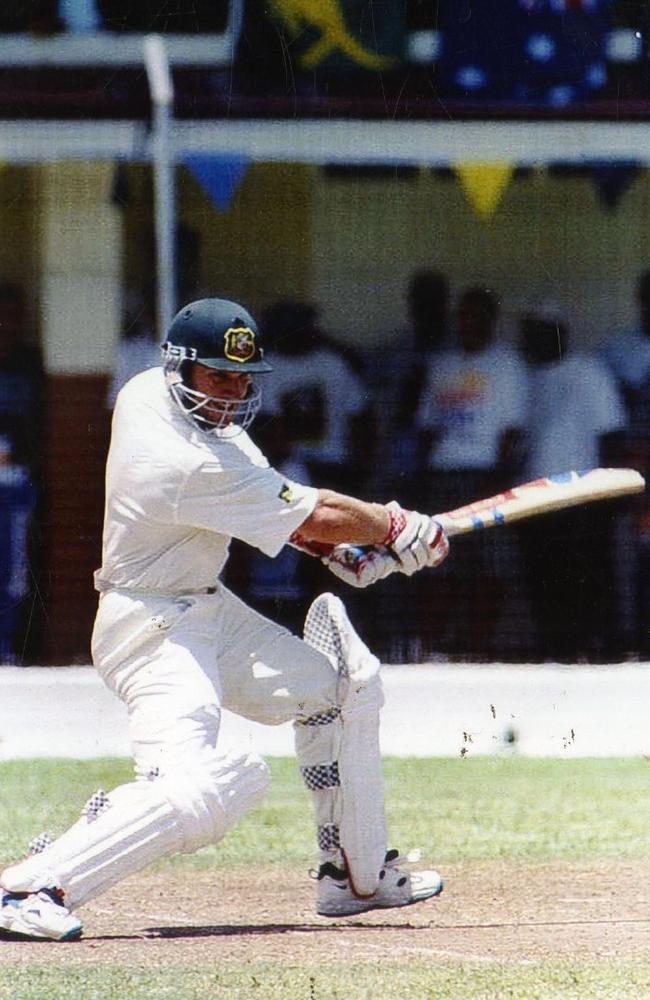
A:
[397,887]
[41,914]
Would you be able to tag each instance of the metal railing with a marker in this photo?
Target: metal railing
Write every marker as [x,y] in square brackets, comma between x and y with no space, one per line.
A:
[158,53]
[107,48]
[163,160]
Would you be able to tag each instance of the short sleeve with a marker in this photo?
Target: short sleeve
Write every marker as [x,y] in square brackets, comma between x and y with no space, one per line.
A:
[427,414]
[257,505]
[514,397]
[356,396]
[608,413]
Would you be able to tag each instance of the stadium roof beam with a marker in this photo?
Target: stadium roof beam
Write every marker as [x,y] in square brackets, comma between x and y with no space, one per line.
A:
[334,141]
[107,48]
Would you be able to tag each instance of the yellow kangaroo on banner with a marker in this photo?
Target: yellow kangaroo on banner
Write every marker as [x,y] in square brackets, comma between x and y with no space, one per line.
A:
[328,18]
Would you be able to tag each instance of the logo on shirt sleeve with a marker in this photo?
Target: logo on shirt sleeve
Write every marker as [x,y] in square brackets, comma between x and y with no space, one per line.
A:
[286,493]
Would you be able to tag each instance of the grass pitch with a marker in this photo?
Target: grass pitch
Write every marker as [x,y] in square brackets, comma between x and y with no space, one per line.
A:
[459,812]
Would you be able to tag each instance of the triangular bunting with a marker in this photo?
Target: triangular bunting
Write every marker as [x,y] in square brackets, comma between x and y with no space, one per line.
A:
[612,180]
[484,184]
[218,175]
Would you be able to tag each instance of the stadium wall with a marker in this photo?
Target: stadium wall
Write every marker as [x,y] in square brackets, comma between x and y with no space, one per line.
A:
[431,711]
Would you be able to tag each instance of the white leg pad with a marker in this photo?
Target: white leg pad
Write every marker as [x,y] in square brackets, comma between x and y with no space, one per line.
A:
[363,821]
[338,751]
[191,806]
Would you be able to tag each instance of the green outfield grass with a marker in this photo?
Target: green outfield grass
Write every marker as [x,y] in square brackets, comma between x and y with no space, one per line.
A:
[272,981]
[485,807]
[475,808]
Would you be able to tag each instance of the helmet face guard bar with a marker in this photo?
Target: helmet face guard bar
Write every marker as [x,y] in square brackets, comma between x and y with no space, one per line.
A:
[174,355]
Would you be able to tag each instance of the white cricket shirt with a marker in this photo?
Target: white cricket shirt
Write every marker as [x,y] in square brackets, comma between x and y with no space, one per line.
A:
[627,355]
[471,399]
[572,403]
[175,496]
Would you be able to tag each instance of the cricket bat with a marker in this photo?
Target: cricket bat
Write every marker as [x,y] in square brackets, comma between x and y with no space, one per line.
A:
[541,496]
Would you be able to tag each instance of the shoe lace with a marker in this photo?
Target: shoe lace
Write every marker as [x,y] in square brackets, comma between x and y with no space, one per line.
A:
[394,859]
[339,874]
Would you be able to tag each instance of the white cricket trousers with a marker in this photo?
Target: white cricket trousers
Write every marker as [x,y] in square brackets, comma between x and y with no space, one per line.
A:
[175,662]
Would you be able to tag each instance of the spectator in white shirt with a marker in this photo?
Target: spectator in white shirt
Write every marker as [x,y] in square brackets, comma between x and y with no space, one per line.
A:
[576,420]
[473,403]
[471,414]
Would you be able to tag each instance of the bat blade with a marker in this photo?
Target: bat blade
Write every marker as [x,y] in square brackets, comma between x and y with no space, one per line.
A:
[541,496]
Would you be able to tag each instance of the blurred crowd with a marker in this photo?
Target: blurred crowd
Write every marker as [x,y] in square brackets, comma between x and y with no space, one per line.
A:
[457,405]
[449,411]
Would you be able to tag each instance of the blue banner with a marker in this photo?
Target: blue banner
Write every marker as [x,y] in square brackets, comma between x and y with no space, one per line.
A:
[219,176]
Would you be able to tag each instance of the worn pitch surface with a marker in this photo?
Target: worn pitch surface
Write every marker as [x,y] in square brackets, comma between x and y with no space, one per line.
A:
[489,912]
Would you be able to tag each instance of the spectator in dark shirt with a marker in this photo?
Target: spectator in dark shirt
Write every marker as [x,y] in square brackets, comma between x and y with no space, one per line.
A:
[325,404]
[627,354]
[21,378]
[17,500]
[397,372]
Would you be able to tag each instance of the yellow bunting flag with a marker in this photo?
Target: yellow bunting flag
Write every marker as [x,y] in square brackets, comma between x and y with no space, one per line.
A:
[484,184]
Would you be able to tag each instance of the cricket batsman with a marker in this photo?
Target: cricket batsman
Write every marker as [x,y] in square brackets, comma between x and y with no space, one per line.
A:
[183,477]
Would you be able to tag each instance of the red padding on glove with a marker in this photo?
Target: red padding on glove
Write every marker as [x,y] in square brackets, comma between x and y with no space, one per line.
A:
[396,524]
[436,541]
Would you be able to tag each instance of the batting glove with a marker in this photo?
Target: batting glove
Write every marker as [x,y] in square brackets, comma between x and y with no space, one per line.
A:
[357,565]
[361,565]
[415,540]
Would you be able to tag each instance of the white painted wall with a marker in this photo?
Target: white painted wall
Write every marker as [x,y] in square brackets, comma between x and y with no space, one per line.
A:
[549,238]
[431,711]
[80,284]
